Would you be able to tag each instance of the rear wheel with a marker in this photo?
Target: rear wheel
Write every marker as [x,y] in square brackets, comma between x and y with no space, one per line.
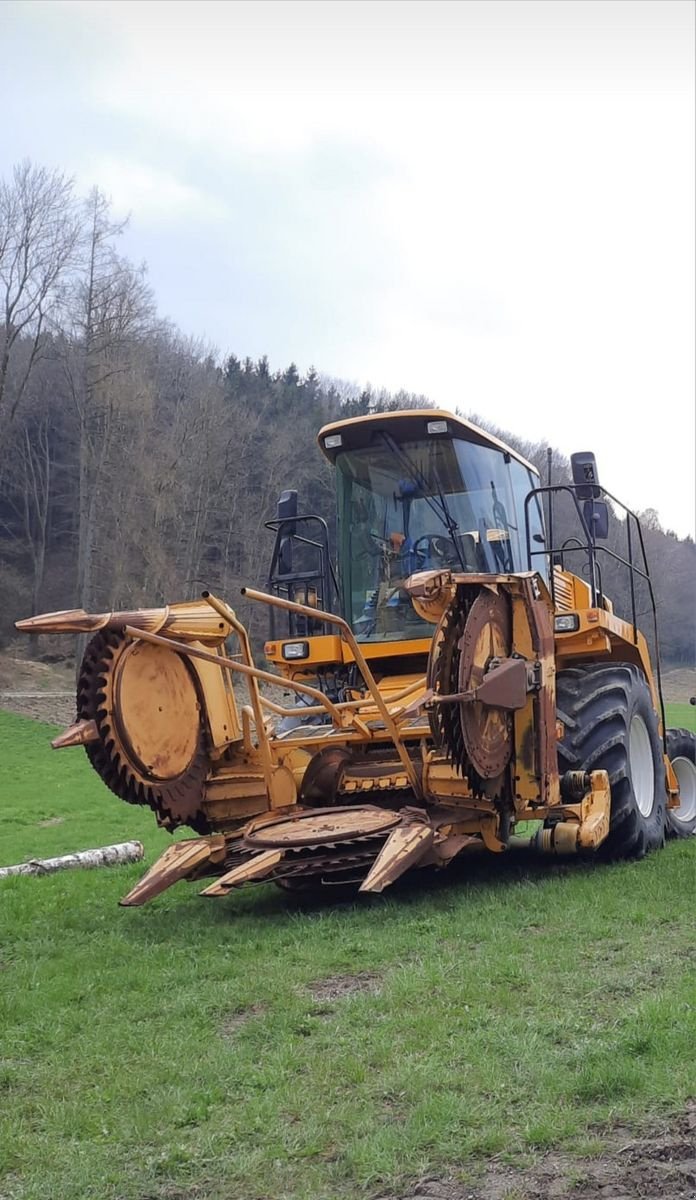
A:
[610,725]
[681,751]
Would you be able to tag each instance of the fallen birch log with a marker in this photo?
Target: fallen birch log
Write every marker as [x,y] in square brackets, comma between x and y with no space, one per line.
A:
[105,856]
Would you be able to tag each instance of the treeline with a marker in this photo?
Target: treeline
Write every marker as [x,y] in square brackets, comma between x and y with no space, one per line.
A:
[136,466]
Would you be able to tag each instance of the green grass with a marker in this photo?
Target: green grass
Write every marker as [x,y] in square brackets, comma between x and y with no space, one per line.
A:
[681,716]
[521,1006]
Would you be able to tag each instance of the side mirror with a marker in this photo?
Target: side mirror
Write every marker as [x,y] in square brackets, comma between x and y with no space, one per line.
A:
[585,475]
[596,514]
[287,509]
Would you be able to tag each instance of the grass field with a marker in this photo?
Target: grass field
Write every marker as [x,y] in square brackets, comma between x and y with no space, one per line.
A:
[183,1050]
[681,716]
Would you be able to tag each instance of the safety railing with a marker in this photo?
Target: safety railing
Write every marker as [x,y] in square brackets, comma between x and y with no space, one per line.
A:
[587,545]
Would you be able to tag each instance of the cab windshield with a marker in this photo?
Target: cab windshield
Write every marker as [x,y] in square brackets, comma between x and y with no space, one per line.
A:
[420,505]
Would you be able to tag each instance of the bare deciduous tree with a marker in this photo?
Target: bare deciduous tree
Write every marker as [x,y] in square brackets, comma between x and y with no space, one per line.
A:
[112,308]
[39,237]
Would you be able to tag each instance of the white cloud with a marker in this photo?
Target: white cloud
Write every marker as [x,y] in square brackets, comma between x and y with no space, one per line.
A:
[496,199]
[153,195]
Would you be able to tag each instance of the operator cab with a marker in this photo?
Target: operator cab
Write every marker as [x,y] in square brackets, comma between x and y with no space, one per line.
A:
[421,491]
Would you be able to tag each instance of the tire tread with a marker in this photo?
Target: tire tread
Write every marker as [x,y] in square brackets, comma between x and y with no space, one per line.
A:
[595,702]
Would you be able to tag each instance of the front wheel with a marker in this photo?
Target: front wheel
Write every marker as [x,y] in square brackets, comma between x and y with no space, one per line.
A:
[681,751]
[610,725]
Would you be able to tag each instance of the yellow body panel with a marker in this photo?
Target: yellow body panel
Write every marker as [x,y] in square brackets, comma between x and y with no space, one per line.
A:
[603,635]
[327,650]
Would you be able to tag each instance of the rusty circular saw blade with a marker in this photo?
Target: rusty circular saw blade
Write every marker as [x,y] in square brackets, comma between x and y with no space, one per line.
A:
[442,677]
[176,799]
[487,732]
[324,825]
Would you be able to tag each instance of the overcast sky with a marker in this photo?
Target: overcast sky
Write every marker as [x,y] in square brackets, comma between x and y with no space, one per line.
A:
[491,203]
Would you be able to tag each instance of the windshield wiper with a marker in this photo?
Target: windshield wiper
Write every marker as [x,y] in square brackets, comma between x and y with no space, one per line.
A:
[418,478]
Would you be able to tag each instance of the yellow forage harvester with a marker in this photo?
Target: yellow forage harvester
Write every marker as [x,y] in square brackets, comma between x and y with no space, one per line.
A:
[452,677]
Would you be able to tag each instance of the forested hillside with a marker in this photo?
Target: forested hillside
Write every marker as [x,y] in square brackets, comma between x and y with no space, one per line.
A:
[138,466]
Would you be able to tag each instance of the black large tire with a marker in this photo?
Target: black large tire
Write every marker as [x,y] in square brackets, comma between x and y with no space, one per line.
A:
[681,751]
[611,725]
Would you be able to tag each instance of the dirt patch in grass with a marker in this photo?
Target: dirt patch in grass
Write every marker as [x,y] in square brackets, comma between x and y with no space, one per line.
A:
[629,1167]
[339,987]
[53,709]
[679,684]
[19,674]
[235,1021]
[45,690]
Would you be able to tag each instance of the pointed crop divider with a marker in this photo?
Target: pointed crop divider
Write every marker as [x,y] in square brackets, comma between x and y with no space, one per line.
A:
[256,868]
[176,863]
[404,847]
[79,734]
[69,620]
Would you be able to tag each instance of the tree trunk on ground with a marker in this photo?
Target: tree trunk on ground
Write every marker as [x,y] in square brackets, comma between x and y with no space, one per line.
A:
[105,856]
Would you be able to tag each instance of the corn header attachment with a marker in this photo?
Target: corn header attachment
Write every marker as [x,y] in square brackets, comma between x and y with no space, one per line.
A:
[385,780]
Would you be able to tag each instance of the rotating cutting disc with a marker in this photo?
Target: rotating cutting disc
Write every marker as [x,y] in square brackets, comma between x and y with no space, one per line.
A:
[327,825]
[487,732]
[156,710]
[151,748]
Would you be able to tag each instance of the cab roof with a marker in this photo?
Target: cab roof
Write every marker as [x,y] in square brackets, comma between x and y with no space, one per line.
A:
[409,425]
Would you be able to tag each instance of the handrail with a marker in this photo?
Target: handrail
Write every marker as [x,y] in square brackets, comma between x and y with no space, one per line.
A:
[325,573]
[251,672]
[591,549]
[352,705]
[340,623]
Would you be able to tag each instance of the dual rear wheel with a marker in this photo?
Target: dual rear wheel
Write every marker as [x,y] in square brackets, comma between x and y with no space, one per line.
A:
[681,750]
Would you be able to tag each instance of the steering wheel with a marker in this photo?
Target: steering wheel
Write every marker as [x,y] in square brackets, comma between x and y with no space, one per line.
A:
[434,545]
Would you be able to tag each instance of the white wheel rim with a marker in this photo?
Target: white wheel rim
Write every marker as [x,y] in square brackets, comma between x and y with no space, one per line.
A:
[685,772]
[642,766]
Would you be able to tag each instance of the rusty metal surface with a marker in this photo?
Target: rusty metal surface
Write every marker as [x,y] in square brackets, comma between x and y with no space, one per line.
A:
[365,846]
[431,593]
[322,776]
[324,825]
[540,619]
[505,685]
[156,710]
[254,869]
[183,860]
[154,718]
[176,799]
[193,621]
[487,732]
[78,734]
[443,679]
[403,849]
[251,672]
[347,634]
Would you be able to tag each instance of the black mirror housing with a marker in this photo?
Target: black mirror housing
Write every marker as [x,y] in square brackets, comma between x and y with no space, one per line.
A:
[596,514]
[585,477]
[287,509]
